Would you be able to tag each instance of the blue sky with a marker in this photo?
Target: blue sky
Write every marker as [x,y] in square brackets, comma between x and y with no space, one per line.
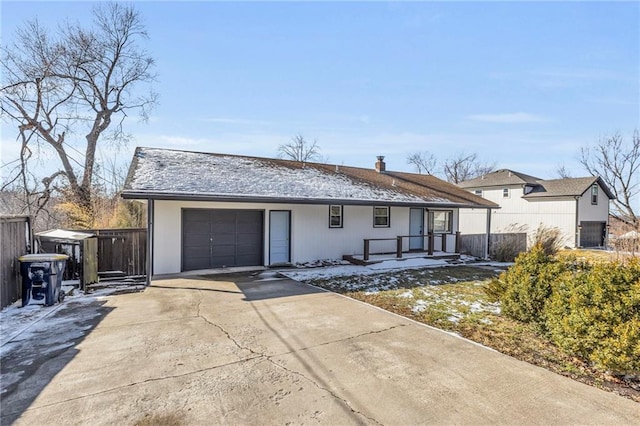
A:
[522,84]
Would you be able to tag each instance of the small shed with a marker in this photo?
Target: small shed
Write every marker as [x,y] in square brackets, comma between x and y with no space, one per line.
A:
[82,249]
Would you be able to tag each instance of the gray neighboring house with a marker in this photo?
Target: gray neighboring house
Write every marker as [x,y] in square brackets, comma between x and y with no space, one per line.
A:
[578,207]
[209,210]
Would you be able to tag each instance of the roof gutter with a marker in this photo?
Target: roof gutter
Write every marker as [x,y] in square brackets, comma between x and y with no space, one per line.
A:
[139,195]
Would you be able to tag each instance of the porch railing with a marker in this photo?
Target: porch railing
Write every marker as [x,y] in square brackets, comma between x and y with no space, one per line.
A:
[399,243]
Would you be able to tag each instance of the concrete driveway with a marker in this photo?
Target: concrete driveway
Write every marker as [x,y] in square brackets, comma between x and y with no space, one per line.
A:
[243,349]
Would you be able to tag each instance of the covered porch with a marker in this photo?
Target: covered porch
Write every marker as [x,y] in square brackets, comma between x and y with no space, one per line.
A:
[430,245]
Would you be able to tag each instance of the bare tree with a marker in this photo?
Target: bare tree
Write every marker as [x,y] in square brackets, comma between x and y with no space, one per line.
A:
[76,81]
[463,167]
[299,149]
[423,162]
[617,162]
[563,172]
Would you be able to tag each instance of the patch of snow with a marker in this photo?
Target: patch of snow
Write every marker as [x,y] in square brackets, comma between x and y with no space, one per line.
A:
[409,263]
[455,317]
[162,170]
[406,294]
[355,270]
[419,306]
[17,321]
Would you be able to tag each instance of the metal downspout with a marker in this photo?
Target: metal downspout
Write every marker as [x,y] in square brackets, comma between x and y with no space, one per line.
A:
[577,229]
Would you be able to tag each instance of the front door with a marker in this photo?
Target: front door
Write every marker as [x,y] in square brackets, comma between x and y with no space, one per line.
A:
[279,237]
[416,227]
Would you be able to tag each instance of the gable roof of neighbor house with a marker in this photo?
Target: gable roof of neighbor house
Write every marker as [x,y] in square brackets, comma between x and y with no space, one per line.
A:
[171,174]
[566,187]
[499,178]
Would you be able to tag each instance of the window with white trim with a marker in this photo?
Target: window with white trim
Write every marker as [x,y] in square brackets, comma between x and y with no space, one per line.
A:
[478,192]
[441,221]
[335,216]
[594,194]
[505,193]
[381,217]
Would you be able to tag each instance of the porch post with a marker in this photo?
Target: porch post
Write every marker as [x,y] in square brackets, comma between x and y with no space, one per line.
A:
[487,235]
[457,241]
[430,251]
[365,256]
[399,247]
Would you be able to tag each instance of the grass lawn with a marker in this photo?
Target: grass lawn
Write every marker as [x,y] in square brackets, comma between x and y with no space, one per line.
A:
[452,298]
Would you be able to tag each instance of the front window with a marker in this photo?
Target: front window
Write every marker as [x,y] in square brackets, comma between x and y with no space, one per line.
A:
[478,192]
[335,216]
[505,193]
[594,194]
[381,217]
[441,221]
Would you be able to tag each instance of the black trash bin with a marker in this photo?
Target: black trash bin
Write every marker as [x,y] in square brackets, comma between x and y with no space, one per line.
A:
[42,277]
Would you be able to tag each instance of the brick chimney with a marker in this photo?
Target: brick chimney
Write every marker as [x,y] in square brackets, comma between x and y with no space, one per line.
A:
[380,166]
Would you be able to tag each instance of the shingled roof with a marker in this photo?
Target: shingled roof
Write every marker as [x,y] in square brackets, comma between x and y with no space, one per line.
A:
[171,174]
[567,187]
[499,178]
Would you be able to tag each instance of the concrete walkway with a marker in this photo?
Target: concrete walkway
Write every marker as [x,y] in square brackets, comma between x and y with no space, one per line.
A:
[237,350]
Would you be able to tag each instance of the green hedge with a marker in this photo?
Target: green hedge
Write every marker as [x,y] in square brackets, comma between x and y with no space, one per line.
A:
[590,310]
[595,314]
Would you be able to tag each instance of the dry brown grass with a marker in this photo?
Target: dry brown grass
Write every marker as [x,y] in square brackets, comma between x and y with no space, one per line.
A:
[593,255]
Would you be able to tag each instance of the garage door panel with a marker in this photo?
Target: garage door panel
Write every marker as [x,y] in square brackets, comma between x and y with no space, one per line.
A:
[216,238]
[223,222]
[195,262]
[249,222]
[248,239]
[245,260]
[199,239]
[223,239]
[223,261]
[223,250]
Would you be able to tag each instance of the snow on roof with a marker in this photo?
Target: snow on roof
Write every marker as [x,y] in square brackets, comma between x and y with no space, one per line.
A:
[183,173]
[62,234]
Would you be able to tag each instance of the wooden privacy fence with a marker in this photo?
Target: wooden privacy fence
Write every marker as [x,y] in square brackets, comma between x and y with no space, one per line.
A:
[475,244]
[15,240]
[122,250]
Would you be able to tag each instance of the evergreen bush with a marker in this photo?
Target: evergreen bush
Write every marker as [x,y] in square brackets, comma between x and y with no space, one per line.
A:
[594,313]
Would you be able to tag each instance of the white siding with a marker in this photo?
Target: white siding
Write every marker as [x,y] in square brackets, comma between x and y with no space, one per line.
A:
[588,212]
[516,211]
[311,237]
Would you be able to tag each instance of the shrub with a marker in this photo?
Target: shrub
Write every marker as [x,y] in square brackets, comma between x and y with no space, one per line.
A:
[508,244]
[549,238]
[595,313]
[523,289]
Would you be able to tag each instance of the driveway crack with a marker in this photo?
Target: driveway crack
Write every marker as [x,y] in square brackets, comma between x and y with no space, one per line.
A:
[322,388]
[141,382]
[226,333]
